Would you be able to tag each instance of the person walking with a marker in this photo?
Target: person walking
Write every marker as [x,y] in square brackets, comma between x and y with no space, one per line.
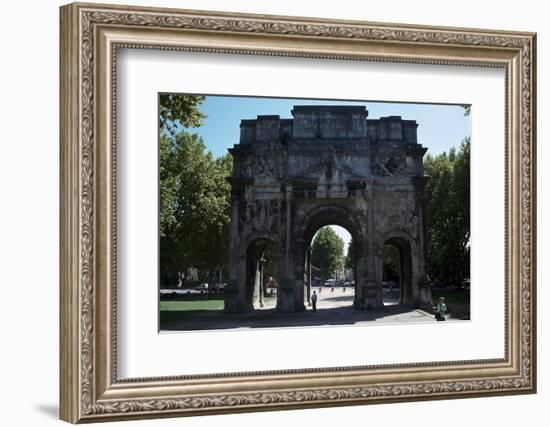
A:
[440,310]
[314,301]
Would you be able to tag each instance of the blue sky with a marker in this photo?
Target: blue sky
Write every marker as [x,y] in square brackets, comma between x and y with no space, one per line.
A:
[440,127]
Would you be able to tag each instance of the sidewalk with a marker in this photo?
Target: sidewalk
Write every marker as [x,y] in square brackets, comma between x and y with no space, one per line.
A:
[333,308]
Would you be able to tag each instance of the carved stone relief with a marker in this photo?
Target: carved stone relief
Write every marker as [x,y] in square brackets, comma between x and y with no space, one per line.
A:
[245,168]
[265,168]
[260,214]
[389,165]
[408,217]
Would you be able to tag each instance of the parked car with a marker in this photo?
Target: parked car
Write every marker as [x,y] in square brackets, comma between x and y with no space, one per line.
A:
[168,295]
[219,288]
[203,287]
[330,283]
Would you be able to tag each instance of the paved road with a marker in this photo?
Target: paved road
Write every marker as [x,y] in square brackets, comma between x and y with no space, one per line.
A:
[336,297]
[333,308]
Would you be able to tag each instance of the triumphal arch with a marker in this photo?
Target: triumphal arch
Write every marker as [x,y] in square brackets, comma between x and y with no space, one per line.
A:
[326,165]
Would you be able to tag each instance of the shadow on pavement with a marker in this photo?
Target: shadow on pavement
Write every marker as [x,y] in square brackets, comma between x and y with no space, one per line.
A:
[337,299]
[270,318]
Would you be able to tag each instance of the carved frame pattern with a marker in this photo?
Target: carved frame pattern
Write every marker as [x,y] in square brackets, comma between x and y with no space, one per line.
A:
[88,393]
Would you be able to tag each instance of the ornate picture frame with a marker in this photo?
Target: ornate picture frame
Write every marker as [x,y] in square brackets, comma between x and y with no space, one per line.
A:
[90,37]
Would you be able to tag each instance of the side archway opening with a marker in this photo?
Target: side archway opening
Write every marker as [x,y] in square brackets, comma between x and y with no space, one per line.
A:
[397,271]
[261,273]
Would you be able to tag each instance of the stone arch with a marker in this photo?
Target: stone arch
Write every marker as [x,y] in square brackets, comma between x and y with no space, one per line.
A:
[328,214]
[408,254]
[256,236]
[326,165]
[315,219]
[254,273]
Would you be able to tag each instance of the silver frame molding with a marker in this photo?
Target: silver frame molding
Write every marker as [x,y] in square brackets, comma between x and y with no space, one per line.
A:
[90,36]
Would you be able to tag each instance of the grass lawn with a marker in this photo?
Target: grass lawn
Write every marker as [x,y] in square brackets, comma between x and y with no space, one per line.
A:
[177,308]
[174,309]
[189,305]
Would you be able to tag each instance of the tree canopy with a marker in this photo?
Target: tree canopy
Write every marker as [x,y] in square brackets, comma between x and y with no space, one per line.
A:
[327,252]
[448,214]
[176,111]
[194,199]
[349,262]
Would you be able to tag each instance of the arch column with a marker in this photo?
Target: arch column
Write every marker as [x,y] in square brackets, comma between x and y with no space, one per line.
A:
[288,299]
[370,288]
[368,295]
[424,295]
[257,280]
[231,300]
[261,287]
[236,298]
[299,252]
[361,280]
[308,276]
[375,288]
[291,291]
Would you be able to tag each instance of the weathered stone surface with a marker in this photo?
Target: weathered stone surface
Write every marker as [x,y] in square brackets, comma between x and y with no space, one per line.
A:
[326,165]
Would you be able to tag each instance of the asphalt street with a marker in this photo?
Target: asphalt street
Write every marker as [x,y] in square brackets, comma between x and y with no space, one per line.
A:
[333,308]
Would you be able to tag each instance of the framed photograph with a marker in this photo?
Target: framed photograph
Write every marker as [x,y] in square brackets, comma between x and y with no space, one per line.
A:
[267,212]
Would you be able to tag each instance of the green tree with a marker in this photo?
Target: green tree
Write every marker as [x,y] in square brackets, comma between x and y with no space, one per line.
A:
[195,207]
[327,252]
[448,214]
[461,211]
[194,194]
[350,257]
[176,111]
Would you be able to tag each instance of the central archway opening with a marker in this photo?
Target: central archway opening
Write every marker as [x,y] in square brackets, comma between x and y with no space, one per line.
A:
[330,269]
